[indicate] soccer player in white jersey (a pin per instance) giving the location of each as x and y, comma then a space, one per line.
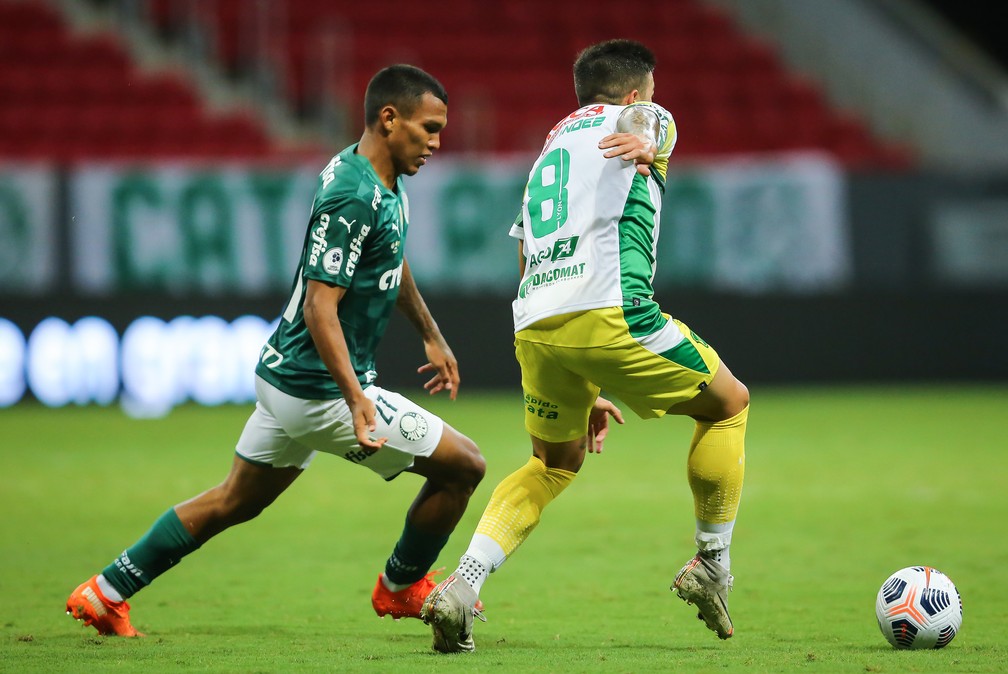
585, 321
315, 379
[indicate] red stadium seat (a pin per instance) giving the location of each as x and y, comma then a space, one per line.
507, 67
66, 97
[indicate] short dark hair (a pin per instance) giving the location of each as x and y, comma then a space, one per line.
400, 85
607, 71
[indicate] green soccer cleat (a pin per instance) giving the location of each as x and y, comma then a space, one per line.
450, 610
705, 584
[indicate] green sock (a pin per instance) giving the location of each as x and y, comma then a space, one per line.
161, 548
414, 554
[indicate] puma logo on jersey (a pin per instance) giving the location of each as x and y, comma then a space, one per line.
343, 221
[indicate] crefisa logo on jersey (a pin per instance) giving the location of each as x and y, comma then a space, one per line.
356, 247
318, 239
332, 260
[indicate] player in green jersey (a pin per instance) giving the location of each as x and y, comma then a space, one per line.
585, 320
315, 378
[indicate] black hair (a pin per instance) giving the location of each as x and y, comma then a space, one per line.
400, 85
607, 71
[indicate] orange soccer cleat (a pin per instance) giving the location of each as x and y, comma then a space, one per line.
110, 618
405, 603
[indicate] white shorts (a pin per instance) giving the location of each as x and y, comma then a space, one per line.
287, 431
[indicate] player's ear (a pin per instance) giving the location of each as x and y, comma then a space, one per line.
387, 117
632, 97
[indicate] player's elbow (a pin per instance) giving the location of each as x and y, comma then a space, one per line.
310, 310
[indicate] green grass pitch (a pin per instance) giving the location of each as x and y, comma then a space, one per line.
843, 487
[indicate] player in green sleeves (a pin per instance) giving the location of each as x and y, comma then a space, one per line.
586, 320
315, 378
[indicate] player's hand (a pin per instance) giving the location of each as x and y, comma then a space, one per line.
441, 361
630, 147
362, 411
598, 423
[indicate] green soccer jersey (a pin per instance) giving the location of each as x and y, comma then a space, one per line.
355, 239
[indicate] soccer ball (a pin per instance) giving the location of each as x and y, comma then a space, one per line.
918, 607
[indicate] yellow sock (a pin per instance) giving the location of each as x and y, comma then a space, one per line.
518, 501
715, 468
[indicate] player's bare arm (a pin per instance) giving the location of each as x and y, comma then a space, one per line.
440, 359
322, 318
636, 137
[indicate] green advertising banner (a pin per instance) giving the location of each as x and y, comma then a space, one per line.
460, 215
27, 229
745, 226
184, 229
749, 226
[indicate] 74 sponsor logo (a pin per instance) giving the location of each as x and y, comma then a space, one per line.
561, 248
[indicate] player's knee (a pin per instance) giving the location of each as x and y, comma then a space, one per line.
457, 464
567, 456
472, 465
741, 398
731, 402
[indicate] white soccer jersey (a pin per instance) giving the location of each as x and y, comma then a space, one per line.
590, 224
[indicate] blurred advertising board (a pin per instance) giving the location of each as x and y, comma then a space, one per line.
28, 217
217, 230
749, 226
151, 367
192, 232
186, 230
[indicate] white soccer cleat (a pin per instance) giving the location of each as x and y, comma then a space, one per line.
450, 610
705, 584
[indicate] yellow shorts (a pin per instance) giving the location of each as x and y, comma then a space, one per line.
567, 360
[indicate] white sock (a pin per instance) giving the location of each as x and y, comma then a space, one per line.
713, 541
393, 587
487, 551
472, 571
106, 588
720, 556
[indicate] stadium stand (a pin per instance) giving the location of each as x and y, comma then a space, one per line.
728, 91
506, 66
65, 97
